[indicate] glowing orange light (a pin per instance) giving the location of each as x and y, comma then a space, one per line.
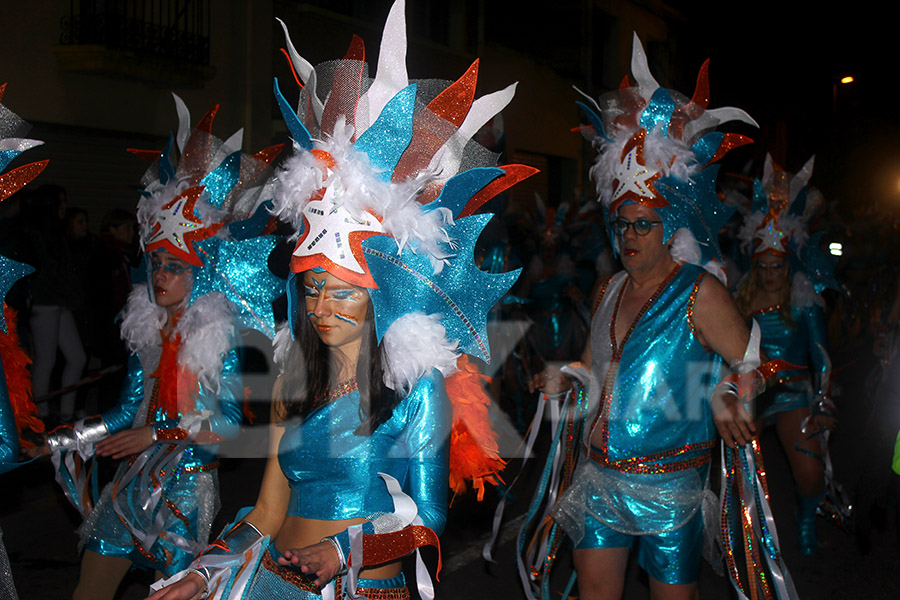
847, 79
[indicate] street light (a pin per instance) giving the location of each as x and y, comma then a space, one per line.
847, 79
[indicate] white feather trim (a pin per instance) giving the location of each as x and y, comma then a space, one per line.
359, 188
661, 153
684, 247
803, 293
718, 269
281, 345
141, 320
207, 330
413, 345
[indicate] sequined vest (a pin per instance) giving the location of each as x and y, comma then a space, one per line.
650, 394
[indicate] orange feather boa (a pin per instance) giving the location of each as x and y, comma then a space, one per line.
18, 379
474, 453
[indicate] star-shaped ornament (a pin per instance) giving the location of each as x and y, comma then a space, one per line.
771, 237
633, 179
177, 227
331, 240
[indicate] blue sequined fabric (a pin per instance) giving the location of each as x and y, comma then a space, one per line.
803, 343
333, 472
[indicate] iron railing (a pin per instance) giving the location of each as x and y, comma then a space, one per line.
171, 29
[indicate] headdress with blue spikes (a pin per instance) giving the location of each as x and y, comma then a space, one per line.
657, 148
383, 184
779, 223
12, 144
210, 209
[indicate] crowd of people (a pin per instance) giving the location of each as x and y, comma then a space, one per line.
380, 411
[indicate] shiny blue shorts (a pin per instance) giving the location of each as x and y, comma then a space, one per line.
670, 557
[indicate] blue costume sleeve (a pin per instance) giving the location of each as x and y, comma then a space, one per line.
9, 437
121, 416
427, 446
227, 407
818, 347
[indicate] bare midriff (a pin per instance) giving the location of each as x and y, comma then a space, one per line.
297, 532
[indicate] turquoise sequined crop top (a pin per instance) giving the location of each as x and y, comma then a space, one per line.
333, 472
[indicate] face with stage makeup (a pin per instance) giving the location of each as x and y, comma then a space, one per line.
171, 278
772, 271
335, 308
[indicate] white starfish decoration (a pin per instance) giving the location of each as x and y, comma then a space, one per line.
634, 177
173, 224
329, 229
770, 237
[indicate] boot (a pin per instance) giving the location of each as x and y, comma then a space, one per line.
805, 515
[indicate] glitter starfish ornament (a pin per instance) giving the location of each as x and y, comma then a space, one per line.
210, 209
378, 194
779, 223
657, 148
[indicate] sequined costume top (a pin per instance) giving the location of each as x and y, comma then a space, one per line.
804, 343
650, 395
9, 438
158, 509
333, 471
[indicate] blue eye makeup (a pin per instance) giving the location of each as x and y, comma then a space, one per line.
173, 268
342, 294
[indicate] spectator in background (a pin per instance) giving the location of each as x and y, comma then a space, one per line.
54, 292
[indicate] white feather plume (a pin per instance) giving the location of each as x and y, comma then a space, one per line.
207, 329
281, 345
661, 153
141, 320
359, 189
413, 345
684, 247
803, 293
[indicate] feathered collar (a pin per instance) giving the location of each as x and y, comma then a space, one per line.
206, 328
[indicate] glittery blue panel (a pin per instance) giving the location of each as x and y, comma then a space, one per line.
10, 272
816, 264
164, 164
594, 119
695, 205
9, 437
386, 140
298, 132
461, 293
658, 112
707, 146
221, 180
6, 156
760, 198
459, 189
239, 270
253, 225
333, 471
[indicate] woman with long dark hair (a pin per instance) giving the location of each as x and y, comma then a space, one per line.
384, 301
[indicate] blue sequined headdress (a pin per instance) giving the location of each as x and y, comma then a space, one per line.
210, 208
779, 223
12, 144
382, 188
657, 148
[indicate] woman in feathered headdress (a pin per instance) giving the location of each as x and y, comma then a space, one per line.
781, 293
183, 393
385, 301
17, 411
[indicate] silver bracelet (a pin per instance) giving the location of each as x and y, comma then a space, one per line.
337, 547
203, 572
